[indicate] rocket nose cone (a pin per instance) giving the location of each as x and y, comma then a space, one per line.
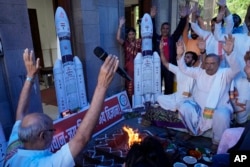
61, 22
60, 14
59, 9
146, 25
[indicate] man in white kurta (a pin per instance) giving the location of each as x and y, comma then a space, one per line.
212, 44
241, 96
185, 84
242, 41
211, 107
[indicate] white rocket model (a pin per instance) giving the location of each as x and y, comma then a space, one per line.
68, 71
147, 68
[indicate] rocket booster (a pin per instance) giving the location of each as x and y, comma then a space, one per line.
137, 97
68, 72
157, 75
59, 85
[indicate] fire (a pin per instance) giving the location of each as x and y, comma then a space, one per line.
133, 137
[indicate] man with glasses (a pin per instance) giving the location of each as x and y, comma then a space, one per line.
35, 131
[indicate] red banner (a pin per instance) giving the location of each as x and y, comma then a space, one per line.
110, 115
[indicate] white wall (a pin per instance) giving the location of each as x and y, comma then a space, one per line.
45, 17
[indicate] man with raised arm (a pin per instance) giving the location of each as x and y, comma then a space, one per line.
185, 84
35, 130
210, 108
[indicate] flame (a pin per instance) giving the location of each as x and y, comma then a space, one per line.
133, 136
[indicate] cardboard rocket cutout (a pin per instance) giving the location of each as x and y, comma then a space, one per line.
147, 68
68, 71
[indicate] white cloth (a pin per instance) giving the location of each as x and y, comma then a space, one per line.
243, 87
214, 94
39, 158
241, 45
229, 138
185, 85
192, 118
204, 81
190, 114
241, 102
212, 44
202, 88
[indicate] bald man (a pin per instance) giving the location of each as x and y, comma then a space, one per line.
35, 131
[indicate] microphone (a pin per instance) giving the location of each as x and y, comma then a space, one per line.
101, 54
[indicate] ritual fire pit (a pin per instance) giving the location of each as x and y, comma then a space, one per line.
111, 150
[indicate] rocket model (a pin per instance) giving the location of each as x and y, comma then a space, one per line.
147, 68
68, 71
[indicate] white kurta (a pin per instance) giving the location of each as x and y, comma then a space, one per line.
212, 45
241, 45
241, 102
184, 90
204, 83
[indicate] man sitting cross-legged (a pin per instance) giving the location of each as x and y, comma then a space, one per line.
210, 107
185, 83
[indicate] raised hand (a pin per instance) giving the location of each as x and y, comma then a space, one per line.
180, 48
221, 14
121, 21
107, 71
229, 44
194, 8
31, 65
32, 68
188, 8
185, 10
182, 11
198, 12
